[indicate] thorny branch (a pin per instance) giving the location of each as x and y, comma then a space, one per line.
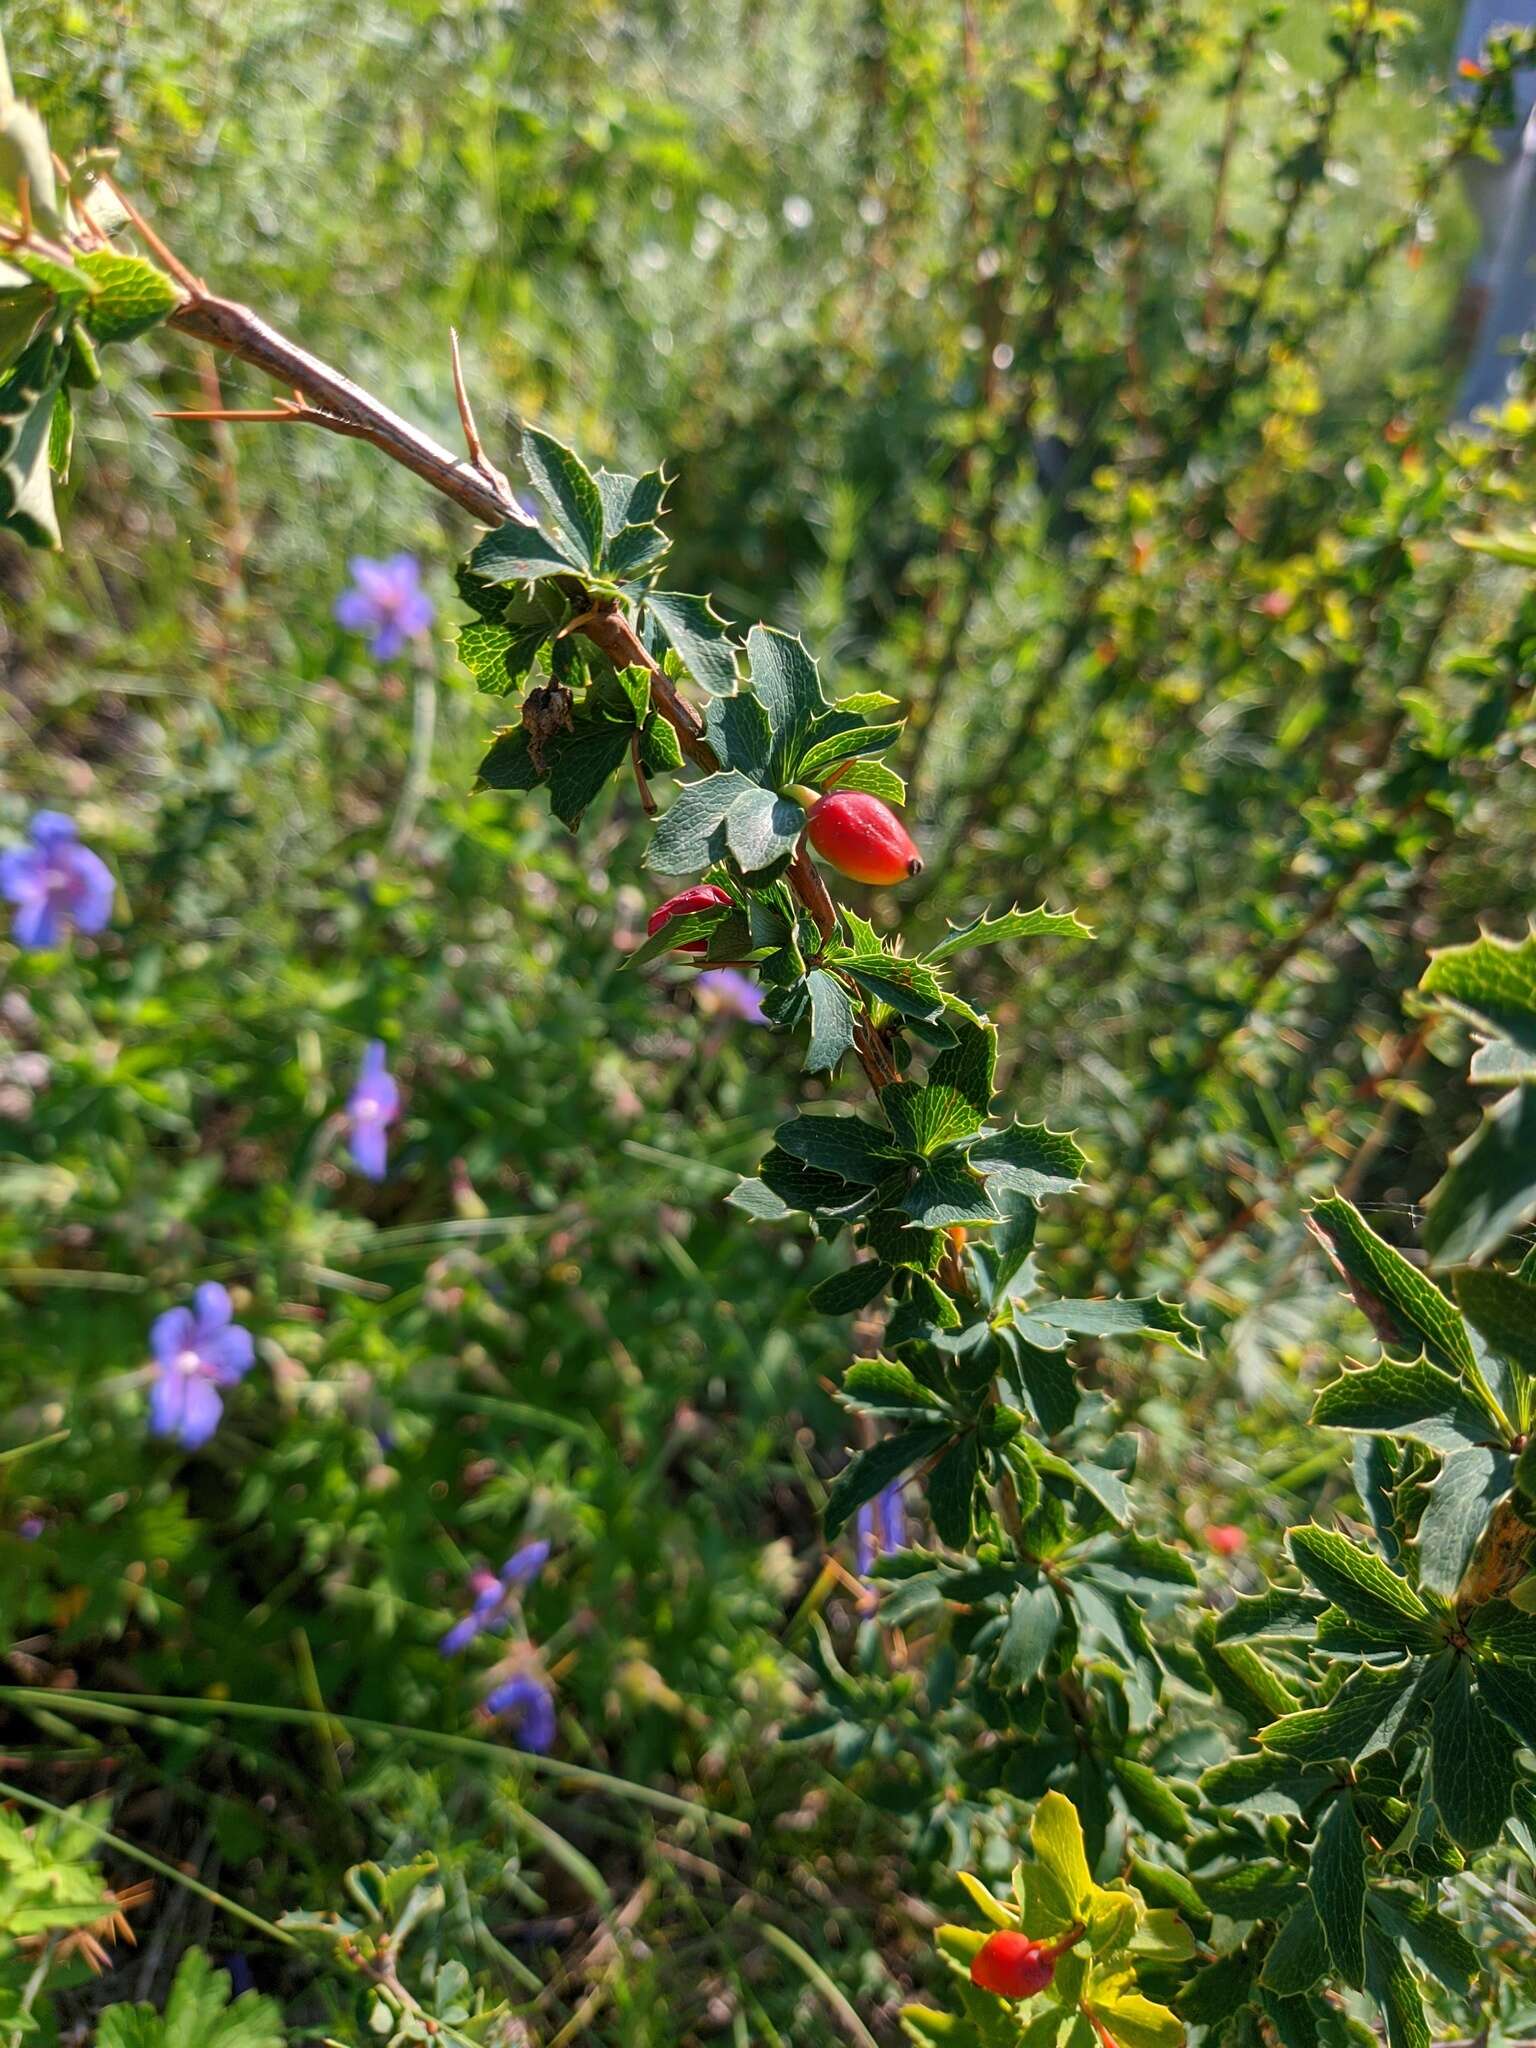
323, 397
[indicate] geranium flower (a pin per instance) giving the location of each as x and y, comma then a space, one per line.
53, 882
386, 601
730, 993
374, 1106
529, 1707
197, 1351
493, 1594
881, 1527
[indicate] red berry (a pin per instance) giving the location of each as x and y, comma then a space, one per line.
702, 896
862, 838
1012, 1965
1226, 1539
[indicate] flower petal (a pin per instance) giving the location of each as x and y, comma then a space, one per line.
51, 828
167, 1398
171, 1334
215, 1311
228, 1354
92, 888
370, 1150
35, 925
202, 1405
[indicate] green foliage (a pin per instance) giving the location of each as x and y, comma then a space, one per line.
198, 2014
1245, 674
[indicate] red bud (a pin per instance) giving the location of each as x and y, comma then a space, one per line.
702, 896
862, 838
1012, 1965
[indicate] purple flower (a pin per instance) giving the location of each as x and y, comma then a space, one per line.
53, 881
525, 1563
374, 1105
493, 1593
529, 1705
197, 1351
730, 994
386, 601
30, 1527
881, 1527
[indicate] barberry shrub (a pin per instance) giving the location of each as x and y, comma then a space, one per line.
1246, 1823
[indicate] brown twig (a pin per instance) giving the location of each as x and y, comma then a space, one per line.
472, 441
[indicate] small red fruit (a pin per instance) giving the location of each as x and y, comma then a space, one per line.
1226, 1539
702, 896
1014, 1966
862, 838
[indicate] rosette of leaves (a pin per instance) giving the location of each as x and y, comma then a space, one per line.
63, 291
1098, 1997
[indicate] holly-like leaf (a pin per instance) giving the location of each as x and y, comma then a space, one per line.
1491, 983
1365, 1715
128, 295
1056, 1836
1489, 1188
1501, 1308
1151, 1797
1013, 924
951, 1490
1434, 1942
1390, 1983
1373, 1596
925, 1120
831, 1022
1414, 1400
1470, 1485
1336, 1878
857, 1151
1406, 1310
784, 678
761, 828
1299, 1957
566, 485
1472, 1768
969, 1064
634, 549
690, 833
821, 756
945, 1193
1028, 1159
1122, 1316
682, 930
629, 500
1034, 1622
1511, 1695
1277, 1614
870, 1472
1131, 2019
515, 553
738, 731
697, 635
883, 1386
847, 1292
875, 779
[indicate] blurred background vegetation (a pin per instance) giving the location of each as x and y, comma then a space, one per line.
1081, 375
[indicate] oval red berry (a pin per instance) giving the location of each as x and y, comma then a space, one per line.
702, 896
1011, 1965
862, 838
